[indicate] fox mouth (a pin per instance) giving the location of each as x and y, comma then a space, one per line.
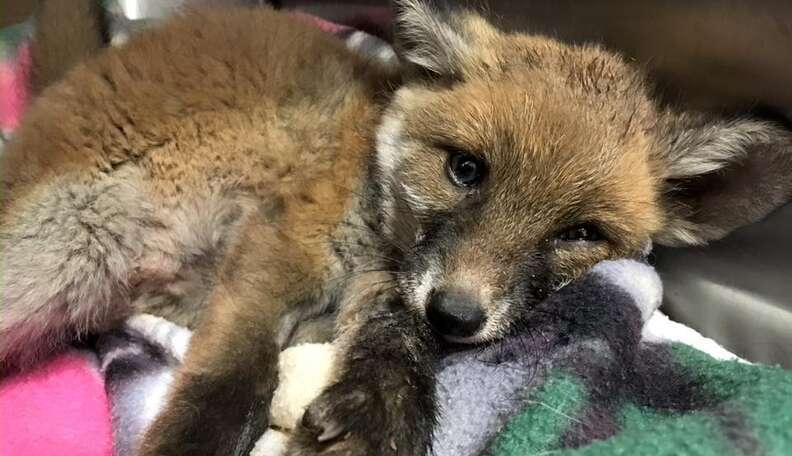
470, 340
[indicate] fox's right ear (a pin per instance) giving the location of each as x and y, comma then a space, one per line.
720, 174
67, 32
439, 40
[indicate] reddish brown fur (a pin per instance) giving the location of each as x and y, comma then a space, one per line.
204, 118
567, 134
571, 137
188, 120
190, 110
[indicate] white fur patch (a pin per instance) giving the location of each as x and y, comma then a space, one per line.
425, 286
413, 197
389, 139
389, 155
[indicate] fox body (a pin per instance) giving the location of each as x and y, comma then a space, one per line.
240, 172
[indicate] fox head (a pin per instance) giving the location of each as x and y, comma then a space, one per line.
512, 163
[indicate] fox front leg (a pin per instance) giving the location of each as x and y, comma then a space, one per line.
218, 404
382, 402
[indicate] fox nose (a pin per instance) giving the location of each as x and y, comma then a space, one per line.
454, 313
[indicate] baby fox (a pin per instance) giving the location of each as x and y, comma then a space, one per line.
244, 163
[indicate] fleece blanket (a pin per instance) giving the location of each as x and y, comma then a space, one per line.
593, 373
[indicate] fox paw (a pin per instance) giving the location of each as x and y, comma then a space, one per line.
345, 419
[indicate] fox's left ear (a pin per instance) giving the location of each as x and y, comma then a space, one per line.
720, 175
440, 39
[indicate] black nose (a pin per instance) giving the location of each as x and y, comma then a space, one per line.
453, 313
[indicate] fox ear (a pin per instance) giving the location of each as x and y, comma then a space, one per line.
67, 32
720, 175
439, 40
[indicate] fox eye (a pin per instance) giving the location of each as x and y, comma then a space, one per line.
584, 232
464, 169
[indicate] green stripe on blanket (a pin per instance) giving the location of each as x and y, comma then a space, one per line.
541, 425
751, 414
763, 394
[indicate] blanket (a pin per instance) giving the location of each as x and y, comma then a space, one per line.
591, 374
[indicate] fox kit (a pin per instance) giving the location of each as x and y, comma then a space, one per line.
242, 172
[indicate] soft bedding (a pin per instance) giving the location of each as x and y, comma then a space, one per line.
598, 371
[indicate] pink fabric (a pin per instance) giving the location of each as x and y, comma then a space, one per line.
14, 89
58, 409
321, 24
